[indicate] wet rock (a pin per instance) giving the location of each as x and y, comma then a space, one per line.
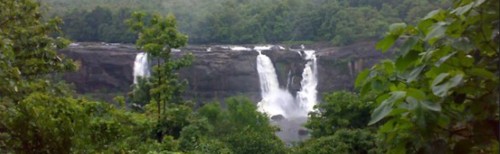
278, 117
303, 132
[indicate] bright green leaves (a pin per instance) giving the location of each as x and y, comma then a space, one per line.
395, 30
386, 106
442, 83
447, 69
387, 42
362, 78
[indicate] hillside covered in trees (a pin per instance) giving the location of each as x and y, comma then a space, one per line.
340, 22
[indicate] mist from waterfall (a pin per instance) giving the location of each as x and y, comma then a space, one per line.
277, 101
141, 66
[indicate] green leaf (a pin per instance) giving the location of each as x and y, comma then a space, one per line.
379, 113
439, 78
408, 45
438, 15
441, 90
397, 28
463, 9
416, 93
481, 72
415, 73
462, 44
403, 62
386, 106
437, 32
362, 77
411, 103
478, 2
424, 25
443, 59
386, 43
467, 61
431, 106
388, 66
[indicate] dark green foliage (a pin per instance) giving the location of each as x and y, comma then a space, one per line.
441, 93
343, 141
140, 95
239, 128
340, 126
35, 115
98, 25
339, 110
258, 21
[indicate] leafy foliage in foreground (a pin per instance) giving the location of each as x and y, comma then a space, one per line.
238, 129
441, 93
339, 126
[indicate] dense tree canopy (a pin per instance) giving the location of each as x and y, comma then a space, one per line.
259, 21
98, 25
340, 126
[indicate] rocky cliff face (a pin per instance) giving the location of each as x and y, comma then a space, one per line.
219, 73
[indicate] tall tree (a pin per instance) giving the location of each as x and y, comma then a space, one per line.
157, 37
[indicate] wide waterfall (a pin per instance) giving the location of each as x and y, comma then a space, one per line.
141, 66
277, 101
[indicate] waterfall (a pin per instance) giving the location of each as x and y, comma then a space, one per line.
274, 100
277, 101
307, 94
141, 66
267, 75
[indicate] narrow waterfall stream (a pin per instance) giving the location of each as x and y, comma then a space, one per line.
141, 66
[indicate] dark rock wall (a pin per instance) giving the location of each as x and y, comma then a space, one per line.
102, 68
215, 75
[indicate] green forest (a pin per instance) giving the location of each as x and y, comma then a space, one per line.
339, 22
439, 94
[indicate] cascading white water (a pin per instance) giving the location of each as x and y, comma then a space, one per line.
267, 75
277, 101
270, 90
141, 66
307, 94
